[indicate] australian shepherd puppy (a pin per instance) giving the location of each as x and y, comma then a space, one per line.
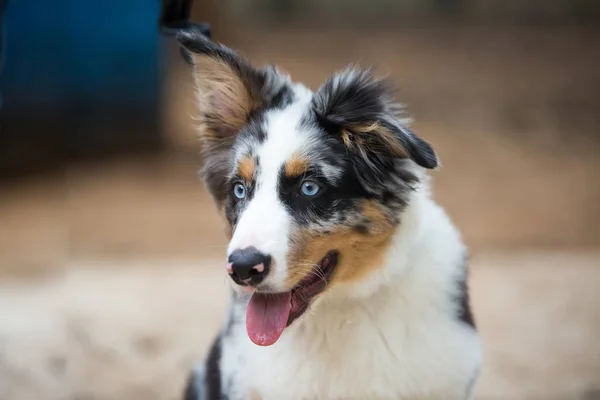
349, 281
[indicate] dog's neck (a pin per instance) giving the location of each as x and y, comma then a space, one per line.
408, 236
417, 276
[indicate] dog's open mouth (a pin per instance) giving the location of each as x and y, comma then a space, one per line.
268, 314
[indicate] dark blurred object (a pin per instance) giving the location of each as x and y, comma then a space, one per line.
81, 82
392, 14
2, 50
175, 15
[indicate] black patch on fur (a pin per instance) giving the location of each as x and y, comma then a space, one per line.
355, 98
381, 178
255, 130
231, 317
186, 55
213, 372
282, 97
191, 389
346, 102
373, 176
361, 228
464, 311
234, 206
334, 199
419, 150
369, 172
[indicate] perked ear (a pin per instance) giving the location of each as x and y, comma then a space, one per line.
229, 91
361, 108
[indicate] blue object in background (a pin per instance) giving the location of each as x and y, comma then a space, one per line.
80, 78
65, 50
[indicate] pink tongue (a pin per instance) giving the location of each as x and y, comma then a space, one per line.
266, 317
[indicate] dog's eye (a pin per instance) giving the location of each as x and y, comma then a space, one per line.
309, 188
239, 191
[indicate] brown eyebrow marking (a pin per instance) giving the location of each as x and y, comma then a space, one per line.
247, 169
297, 165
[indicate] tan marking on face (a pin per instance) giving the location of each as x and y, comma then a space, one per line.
247, 169
297, 165
359, 254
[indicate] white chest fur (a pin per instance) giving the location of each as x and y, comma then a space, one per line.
374, 355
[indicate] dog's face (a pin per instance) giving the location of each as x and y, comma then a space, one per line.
312, 185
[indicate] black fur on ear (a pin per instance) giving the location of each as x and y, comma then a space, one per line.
361, 109
230, 91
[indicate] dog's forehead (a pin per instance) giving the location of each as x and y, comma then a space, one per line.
286, 135
278, 135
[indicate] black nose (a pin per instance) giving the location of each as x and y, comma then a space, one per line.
248, 266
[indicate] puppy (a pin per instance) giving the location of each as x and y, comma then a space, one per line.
349, 281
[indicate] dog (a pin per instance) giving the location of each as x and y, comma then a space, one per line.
348, 280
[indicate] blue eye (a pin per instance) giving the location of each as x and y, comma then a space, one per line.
239, 191
309, 188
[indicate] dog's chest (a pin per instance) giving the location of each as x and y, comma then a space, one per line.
356, 358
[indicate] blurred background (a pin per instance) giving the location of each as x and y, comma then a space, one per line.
111, 251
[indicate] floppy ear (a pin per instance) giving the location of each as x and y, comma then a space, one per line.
229, 91
361, 109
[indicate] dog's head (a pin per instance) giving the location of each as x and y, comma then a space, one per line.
312, 185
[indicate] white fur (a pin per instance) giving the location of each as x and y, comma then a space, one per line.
395, 336
265, 223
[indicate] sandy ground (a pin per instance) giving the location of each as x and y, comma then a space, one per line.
131, 330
